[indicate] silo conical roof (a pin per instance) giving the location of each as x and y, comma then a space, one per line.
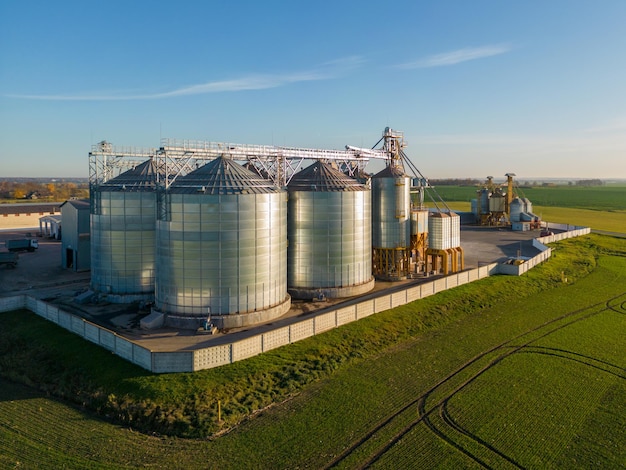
390, 171
322, 177
141, 177
222, 176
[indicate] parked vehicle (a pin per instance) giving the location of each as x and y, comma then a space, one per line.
22, 244
9, 258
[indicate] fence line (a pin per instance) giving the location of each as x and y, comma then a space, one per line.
214, 356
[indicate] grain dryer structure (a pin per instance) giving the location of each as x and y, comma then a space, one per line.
499, 205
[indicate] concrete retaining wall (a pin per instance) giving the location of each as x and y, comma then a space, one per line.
189, 361
135, 353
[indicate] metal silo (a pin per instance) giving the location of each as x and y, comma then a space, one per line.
444, 242
222, 248
439, 231
483, 196
517, 207
474, 208
528, 208
419, 240
329, 233
123, 222
391, 223
497, 203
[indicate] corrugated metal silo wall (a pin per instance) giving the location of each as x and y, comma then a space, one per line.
439, 231
226, 253
516, 208
123, 242
391, 204
329, 239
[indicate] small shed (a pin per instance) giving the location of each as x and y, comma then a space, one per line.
50, 226
76, 239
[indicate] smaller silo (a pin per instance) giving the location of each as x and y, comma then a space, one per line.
497, 203
483, 197
329, 233
123, 225
419, 240
419, 222
529, 210
439, 231
444, 252
517, 207
391, 223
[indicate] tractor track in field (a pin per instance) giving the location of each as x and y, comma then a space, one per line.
588, 361
425, 410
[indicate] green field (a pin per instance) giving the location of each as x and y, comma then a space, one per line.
504, 372
599, 198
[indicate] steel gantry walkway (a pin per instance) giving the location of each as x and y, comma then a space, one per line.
179, 157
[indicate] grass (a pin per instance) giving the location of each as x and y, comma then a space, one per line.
601, 207
339, 386
599, 198
606, 221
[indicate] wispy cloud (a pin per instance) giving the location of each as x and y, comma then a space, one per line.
326, 71
456, 57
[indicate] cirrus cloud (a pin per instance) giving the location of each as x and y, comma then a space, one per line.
326, 71
456, 57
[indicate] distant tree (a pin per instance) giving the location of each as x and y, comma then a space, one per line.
18, 194
590, 182
56, 190
454, 182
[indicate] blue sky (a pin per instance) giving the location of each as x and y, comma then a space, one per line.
478, 87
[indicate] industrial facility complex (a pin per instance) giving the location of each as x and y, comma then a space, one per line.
228, 234
209, 237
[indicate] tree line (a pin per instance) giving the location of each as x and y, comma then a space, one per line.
590, 182
455, 182
29, 190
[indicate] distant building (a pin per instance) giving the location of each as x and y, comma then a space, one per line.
76, 240
26, 215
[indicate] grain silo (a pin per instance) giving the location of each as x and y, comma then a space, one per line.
444, 252
516, 207
123, 218
419, 240
391, 223
222, 248
329, 233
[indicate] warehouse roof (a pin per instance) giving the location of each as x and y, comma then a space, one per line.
79, 204
30, 208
